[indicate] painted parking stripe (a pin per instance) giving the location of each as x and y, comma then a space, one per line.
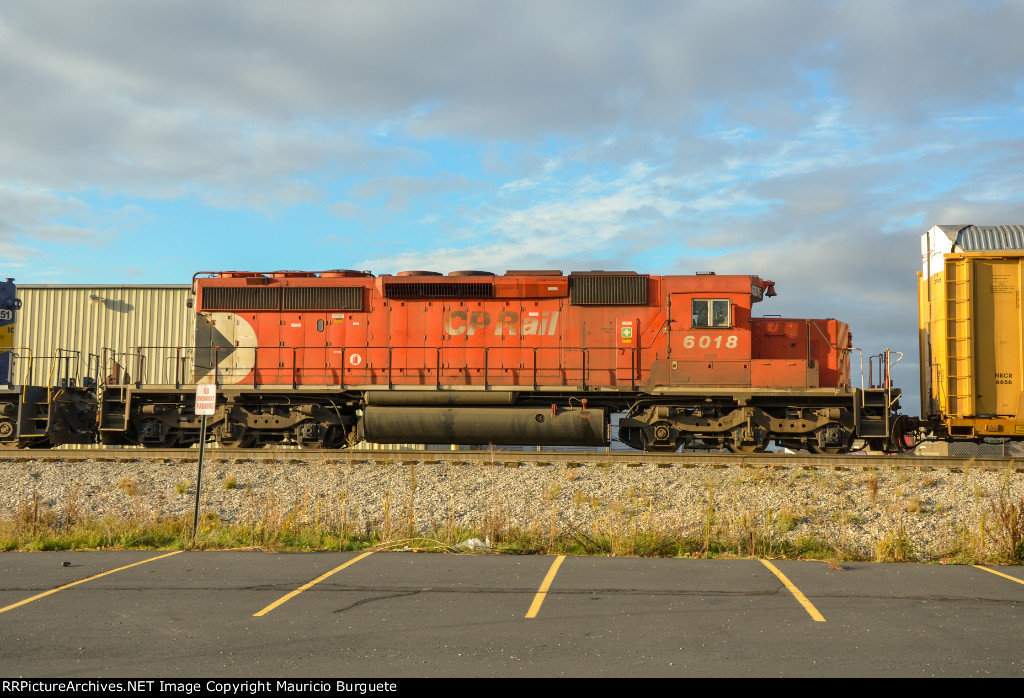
808, 606
1019, 581
309, 585
544, 586
82, 581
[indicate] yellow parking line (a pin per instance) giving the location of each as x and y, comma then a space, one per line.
808, 606
316, 581
1019, 581
544, 586
80, 581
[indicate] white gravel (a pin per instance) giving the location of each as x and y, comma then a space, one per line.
937, 513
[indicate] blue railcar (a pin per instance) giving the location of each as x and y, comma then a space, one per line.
9, 305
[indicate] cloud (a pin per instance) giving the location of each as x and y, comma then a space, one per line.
578, 221
28, 215
398, 192
807, 141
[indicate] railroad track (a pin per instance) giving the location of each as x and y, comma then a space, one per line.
506, 458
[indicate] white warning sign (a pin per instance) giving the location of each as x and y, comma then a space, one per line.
206, 399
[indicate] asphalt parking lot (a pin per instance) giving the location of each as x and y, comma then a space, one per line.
393, 614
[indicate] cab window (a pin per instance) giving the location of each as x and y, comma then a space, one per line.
710, 313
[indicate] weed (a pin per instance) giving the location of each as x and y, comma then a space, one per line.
34, 514
130, 487
1008, 525
788, 520
411, 510
896, 546
230, 482
182, 487
709, 522
872, 483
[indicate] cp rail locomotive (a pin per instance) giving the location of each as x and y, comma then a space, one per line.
532, 357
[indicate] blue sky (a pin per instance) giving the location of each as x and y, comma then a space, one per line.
808, 142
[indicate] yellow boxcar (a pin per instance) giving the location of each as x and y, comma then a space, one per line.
971, 322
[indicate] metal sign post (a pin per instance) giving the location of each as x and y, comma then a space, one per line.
206, 404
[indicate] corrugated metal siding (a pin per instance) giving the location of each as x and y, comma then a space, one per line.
118, 317
976, 238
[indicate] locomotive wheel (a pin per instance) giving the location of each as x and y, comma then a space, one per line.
151, 433
658, 443
167, 441
742, 441
244, 441
235, 435
661, 448
310, 435
829, 451
746, 448
654, 447
837, 446
335, 436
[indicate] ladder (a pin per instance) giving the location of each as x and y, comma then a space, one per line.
959, 379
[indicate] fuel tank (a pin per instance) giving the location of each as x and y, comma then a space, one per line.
508, 426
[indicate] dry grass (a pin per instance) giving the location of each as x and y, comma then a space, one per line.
576, 511
1007, 530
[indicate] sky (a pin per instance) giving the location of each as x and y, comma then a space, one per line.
807, 142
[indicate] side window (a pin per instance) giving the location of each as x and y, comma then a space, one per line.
710, 313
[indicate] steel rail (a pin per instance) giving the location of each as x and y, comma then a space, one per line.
510, 458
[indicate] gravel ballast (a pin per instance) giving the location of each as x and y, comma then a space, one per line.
937, 512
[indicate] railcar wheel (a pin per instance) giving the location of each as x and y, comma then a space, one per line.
7, 431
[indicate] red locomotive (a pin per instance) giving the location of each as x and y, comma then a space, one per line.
532, 357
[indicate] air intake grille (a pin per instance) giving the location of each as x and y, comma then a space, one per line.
293, 298
330, 298
608, 289
246, 298
413, 291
